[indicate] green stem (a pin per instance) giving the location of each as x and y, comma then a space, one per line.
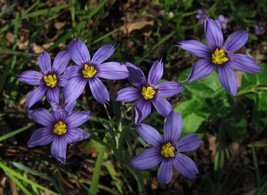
259, 89
11, 134
96, 174
257, 145
245, 91
255, 163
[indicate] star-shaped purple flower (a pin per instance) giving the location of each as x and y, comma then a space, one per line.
167, 150
49, 80
222, 22
61, 127
260, 28
147, 92
201, 15
89, 70
220, 55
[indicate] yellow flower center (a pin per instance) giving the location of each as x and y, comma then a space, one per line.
50, 80
88, 71
148, 92
167, 150
60, 128
218, 57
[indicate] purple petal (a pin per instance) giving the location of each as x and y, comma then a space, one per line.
165, 172
155, 72
75, 135
62, 81
42, 117
103, 53
162, 106
228, 78
59, 115
44, 62
213, 33
35, 95
188, 143
142, 110
73, 89
79, 52
185, 166
78, 118
31, 77
128, 94
99, 90
56, 107
72, 71
244, 63
235, 41
136, 75
61, 61
41, 137
59, 149
69, 107
173, 127
169, 88
146, 159
53, 95
202, 68
149, 134
112, 71
196, 48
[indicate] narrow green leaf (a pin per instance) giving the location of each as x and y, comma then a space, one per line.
96, 174
15, 132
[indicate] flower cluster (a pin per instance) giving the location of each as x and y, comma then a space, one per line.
64, 84
61, 126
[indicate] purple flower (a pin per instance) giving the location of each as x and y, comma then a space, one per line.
167, 150
147, 92
260, 28
222, 22
60, 127
48, 80
201, 15
89, 70
220, 54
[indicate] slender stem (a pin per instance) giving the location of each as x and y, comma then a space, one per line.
260, 88
15, 132
96, 174
255, 163
242, 92
257, 145
106, 109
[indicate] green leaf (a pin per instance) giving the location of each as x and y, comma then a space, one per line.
207, 87
259, 114
252, 80
187, 107
235, 124
191, 123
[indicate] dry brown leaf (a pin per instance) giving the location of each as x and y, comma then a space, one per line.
59, 25
22, 43
37, 49
239, 76
212, 144
10, 37
235, 149
136, 25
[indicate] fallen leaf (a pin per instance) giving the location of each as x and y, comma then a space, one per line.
136, 25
